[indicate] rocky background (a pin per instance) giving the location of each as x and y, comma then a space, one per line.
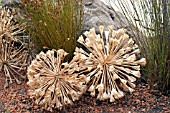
96, 13
8, 1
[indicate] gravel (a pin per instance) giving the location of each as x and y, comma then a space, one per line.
142, 100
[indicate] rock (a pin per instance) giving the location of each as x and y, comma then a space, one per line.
23, 101
40, 112
2, 105
165, 109
22, 91
3, 111
150, 101
104, 111
120, 109
98, 102
97, 13
27, 107
9, 1
155, 92
14, 90
88, 102
31, 111
14, 102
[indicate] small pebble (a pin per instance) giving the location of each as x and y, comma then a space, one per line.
98, 102
166, 109
3, 111
14, 90
158, 107
23, 101
104, 111
150, 102
14, 102
88, 102
1, 105
27, 107
120, 109
40, 112
31, 111
22, 91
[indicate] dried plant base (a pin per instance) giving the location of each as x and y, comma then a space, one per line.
111, 62
52, 83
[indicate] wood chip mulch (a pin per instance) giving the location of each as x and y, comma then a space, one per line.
15, 100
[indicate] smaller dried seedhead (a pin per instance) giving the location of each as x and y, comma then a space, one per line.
52, 83
13, 47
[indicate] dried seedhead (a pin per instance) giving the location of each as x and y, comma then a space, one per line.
10, 28
13, 46
111, 62
13, 61
52, 83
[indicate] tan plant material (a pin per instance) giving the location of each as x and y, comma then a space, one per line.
13, 61
111, 62
10, 27
52, 83
13, 47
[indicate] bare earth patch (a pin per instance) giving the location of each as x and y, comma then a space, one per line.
15, 100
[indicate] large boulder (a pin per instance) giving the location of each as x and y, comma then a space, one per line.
9, 1
97, 13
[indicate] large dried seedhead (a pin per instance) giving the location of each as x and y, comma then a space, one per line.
13, 61
52, 83
111, 62
9, 27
